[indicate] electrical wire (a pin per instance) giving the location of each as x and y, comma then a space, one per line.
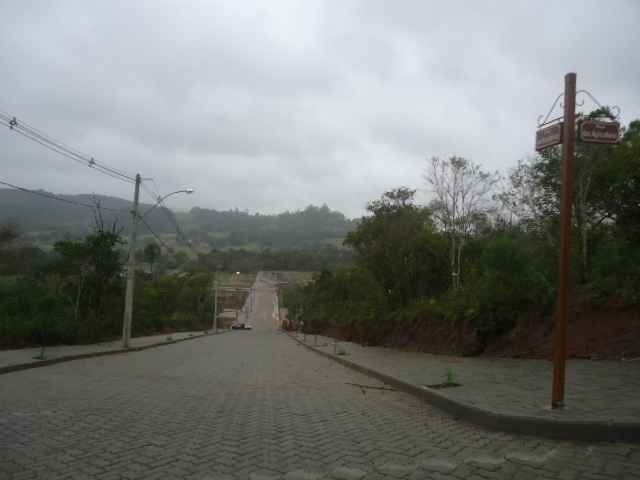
154, 234
60, 199
61, 148
154, 196
65, 153
82, 157
155, 187
34, 134
170, 215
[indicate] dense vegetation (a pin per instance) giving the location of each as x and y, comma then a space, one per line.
76, 292
324, 257
483, 252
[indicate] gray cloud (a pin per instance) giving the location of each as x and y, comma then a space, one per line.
276, 105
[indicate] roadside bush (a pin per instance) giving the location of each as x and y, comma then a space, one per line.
349, 300
510, 282
172, 302
616, 268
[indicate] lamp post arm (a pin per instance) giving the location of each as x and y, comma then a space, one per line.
162, 199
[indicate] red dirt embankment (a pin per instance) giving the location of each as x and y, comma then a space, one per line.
596, 333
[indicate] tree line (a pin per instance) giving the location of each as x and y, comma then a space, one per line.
75, 292
47, 221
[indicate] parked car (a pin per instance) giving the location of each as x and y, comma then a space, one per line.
240, 326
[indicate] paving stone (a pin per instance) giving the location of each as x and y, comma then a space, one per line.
347, 473
395, 470
263, 476
528, 457
486, 462
302, 475
438, 465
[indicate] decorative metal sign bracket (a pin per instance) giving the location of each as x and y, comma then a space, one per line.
546, 120
613, 111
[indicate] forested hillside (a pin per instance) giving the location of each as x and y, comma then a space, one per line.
55, 219
48, 220
310, 226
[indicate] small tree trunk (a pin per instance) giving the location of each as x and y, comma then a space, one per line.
458, 263
453, 261
585, 253
77, 306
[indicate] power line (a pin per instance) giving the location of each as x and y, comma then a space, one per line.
84, 158
61, 151
155, 196
154, 233
155, 187
51, 196
171, 216
60, 148
151, 190
36, 135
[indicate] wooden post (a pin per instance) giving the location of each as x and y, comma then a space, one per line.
564, 263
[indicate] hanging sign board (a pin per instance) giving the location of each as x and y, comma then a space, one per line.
596, 131
549, 136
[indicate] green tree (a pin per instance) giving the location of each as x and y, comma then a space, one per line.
618, 184
151, 255
8, 233
398, 245
535, 188
92, 269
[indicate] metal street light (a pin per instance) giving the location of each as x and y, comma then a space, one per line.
131, 265
160, 199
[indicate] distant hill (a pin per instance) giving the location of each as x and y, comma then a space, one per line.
32, 213
311, 226
50, 220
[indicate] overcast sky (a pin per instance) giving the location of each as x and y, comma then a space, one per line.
275, 105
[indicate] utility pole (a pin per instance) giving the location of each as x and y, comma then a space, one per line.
564, 263
215, 307
131, 268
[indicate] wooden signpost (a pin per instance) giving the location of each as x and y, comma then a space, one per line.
564, 132
564, 262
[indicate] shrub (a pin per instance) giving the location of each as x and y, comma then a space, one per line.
616, 270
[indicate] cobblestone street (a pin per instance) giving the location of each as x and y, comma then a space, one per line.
254, 404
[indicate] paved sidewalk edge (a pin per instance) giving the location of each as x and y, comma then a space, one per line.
68, 358
520, 424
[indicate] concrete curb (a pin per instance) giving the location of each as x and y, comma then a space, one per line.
104, 353
521, 424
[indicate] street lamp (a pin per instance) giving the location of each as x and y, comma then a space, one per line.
131, 263
161, 199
